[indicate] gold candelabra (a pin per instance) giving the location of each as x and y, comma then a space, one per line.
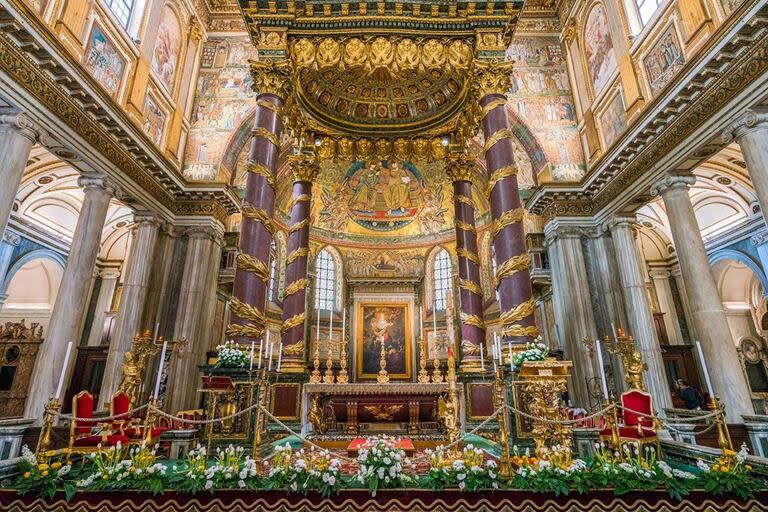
343, 376
314, 377
150, 420
383, 376
328, 376
260, 423
46, 432
423, 374
612, 424
631, 359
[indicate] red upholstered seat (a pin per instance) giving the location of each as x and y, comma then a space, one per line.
94, 440
641, 402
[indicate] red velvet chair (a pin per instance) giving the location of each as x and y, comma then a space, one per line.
125, 424
634, 427
82, 438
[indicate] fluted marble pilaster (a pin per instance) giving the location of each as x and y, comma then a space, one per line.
69, 308
660, 278
639, 315
132, 299
705, 304
572, 306
17, 136
109, 277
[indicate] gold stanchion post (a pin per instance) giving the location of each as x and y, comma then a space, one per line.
46, 432
723, 435
500, 401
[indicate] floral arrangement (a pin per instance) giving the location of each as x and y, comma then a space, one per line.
729, 473
231, 469
125, 468
229, 355
555, 471
536, 350
381, 464
468, 469
43, 478
304, 471
191, 476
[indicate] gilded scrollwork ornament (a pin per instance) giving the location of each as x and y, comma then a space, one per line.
492, 77
304, 167
271, 77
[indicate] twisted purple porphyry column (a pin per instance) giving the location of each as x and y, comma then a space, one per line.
513, 261
304, 169
256, 230
461, 170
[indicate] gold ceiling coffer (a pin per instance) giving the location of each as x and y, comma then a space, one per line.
362, 92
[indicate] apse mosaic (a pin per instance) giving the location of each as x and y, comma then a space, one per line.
541, 98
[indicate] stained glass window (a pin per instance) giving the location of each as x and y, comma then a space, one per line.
273, 273
442, 279
325, 281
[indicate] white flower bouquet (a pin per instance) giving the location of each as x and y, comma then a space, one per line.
381, 464
229, 355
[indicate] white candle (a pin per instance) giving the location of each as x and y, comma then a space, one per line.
63, 370
421, 323
160, 369
279, 356
705, 370
330, 326
157, 331
343, 322
318, 323
250, 357
496, 345
434, 317
603, 381
613, 330
261, 346
270, 349
482, 359
509, 349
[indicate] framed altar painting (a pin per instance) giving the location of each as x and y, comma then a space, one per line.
390, 324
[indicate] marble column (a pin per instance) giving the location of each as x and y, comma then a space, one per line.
247, 321
71, 300
195, 315
132, 299
660, 278
513, 280
8, 243
109, 278
17, 136
572, 307
706, 307
683, 296
750, 130
639, 314
304, 168
461, 169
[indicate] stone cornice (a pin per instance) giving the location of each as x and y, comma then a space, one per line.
732, 60
754, 119
38, 64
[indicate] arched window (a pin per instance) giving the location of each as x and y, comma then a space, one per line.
646, 9
272, 295
442, 279
325, 281
122, 10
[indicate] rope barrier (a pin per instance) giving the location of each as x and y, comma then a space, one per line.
560, 422
203, 422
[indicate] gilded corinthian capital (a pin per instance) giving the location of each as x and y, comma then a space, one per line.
304, 167
492, 77
271, 77
461, 167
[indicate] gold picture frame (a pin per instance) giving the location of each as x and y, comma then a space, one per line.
394, 319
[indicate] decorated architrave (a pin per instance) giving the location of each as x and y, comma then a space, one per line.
304, 168
461, 169
247, 321
512, 278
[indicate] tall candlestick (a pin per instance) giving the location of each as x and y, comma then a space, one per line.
434, 317
603, 380
613, 330
705, 370
330, 327
160, 369
250, 356
318, 322
157, 331
261, 346
279, 356
63, 370
421, 323
482, 358
343, 322
270, 349
511, 363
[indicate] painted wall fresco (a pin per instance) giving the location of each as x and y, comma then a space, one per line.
664, 60
541, 98
222, 101
165, 56
103, 61
154, 120
598, 48
612, 120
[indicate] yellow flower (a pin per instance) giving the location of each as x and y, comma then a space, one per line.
42, 467
44, 473
723, 469
56, 465
103, 477
27, 474
715, 468
729, 453
747, 467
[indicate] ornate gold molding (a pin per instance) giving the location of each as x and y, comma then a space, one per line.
262, 132
507, 218
259, 215
473, 320
464, 199
246, 311
298, 226
296, 254
515, 330
461, 167
253, 265
461, 252
292, 322
498, 175
295, 287
262, 170
304, 167
492, 78
513, 265
490, 106
518, 312
298, 199
471, 286
465, 226
498, 136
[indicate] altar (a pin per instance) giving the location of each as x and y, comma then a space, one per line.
340, 410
